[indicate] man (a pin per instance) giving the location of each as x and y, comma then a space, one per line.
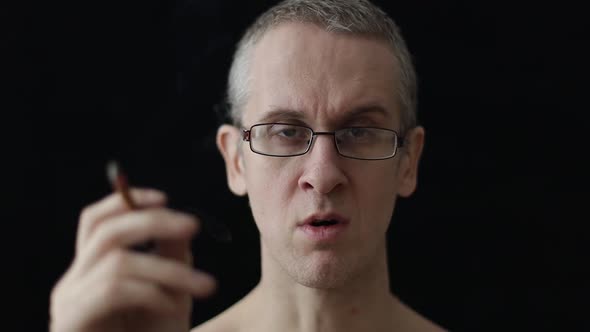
324, 140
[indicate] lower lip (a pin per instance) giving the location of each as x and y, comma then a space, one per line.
323, 233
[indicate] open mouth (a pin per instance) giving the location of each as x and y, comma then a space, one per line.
323, 223
325, 227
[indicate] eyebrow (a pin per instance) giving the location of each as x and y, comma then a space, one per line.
372, 109
291, 114
279, 114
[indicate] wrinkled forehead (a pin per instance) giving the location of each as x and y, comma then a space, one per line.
303, 67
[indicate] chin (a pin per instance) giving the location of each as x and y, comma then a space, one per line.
321, 282
324, 268
325, 274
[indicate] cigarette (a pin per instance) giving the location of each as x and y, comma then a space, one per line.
118, 181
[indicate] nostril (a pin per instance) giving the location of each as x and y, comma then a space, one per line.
322, 178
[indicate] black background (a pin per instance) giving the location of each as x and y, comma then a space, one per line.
492, 240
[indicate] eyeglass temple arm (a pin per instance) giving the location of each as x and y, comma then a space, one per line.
245, 135
400, 142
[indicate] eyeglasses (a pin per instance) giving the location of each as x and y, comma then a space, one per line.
288, 140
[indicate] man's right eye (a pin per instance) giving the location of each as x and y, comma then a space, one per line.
287, 132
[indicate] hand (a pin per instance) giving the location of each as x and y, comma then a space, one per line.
111, 288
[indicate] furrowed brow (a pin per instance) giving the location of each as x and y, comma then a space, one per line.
363, 111
290, 115
278, 115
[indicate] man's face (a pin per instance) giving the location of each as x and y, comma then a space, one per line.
304, 75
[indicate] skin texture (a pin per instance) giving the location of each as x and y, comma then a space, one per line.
302, 74
110, 288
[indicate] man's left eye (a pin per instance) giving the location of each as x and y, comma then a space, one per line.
358, 132
288, 132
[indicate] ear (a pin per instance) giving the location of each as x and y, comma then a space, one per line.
228, 138
410, 158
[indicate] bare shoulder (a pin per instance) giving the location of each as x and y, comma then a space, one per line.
229, 320
213, 325
223, 322
410, 320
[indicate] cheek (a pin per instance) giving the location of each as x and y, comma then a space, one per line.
268, 179
378, 182
376, 194
270, 188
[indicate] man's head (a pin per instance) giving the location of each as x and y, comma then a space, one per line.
358, 17
299, 72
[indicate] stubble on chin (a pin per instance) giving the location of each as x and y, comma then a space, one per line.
320, 272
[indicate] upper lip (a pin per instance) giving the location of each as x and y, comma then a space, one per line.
324, 216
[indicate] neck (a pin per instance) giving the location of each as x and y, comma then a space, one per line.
363, 303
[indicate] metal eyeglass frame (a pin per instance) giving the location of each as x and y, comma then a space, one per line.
246, 137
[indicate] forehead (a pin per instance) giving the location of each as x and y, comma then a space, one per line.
301, 67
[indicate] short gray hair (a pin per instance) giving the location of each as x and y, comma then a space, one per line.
359, 17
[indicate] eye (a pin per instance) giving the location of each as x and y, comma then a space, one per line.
288, 132
357, 133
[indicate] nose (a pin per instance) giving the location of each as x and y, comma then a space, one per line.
323, 171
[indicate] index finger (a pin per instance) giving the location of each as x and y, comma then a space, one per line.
113, 205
